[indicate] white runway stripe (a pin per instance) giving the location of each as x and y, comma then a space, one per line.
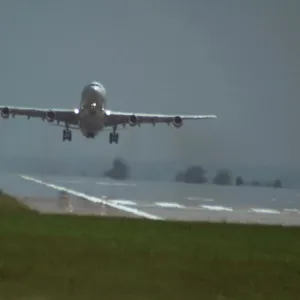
123, 202
169, 204
218, 208
200, 199
132, 210
264, 211
294, 210
208, 200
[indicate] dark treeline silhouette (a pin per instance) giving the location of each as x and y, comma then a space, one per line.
196, 174
239, 181
275, 183
119, 171
223, 177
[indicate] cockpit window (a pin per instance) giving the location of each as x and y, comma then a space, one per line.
95, 84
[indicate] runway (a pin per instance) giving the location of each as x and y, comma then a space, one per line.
159, 201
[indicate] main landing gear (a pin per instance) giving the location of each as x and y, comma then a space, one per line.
114, 136
67, 134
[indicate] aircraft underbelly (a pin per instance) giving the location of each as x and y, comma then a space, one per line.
91, 123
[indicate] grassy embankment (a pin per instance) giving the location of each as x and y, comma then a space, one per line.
69, 257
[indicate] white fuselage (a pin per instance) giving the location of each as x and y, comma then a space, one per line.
91, 111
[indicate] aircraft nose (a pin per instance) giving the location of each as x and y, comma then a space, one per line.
94, 88
97, 88
91, 94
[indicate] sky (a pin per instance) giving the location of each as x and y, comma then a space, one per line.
236, 59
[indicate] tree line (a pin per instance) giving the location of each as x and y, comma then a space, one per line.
196, 174
193, 174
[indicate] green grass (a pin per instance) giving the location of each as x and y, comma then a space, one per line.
9, 204
70, 257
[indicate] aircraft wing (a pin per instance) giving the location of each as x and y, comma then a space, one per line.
113, 118
70, 116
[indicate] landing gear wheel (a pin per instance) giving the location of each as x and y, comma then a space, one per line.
116, 138
113, 138
67, 135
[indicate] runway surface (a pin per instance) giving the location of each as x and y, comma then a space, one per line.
165, 201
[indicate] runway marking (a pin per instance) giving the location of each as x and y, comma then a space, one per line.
218, 208
208, 200
292, 210
200, 199
169, 204
70, 208
265, 211
114, 183
134, 211
123, 202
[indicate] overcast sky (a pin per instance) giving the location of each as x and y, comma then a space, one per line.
237, 59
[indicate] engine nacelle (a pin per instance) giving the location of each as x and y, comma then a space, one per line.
5, 112
177, 121
50, 116
133, 120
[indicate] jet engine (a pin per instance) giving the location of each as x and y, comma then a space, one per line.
177, 121
5, 112
50, 116
133, 120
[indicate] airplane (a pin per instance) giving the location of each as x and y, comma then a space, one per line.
92, 116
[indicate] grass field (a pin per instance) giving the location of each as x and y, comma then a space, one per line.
70, 257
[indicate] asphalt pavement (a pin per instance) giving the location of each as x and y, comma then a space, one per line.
153, 200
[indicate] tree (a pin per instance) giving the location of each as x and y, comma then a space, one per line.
277, 183
223, 177
193, 174
119, 170
239, 181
